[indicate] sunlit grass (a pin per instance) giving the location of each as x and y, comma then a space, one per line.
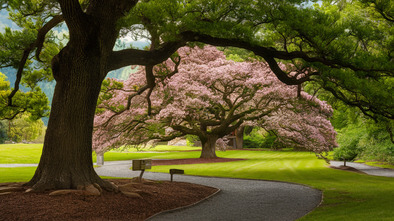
31, 153
20, 153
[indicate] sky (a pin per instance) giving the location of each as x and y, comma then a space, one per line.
5, 22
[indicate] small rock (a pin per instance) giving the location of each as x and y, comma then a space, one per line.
98, 187
91, 190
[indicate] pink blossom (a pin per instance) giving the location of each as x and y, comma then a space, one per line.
207, 95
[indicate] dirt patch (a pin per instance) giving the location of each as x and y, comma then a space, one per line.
192, 161
158, 196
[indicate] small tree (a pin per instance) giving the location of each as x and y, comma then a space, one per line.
34, 101
204, 95
24, 128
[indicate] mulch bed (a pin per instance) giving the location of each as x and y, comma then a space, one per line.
158, 196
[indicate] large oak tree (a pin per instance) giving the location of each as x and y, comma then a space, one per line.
348, 49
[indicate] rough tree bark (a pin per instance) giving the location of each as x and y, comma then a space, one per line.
208, 147
239, 137
79, 69
66, 160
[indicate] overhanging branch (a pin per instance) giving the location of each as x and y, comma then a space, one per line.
122, 58
37, 44
270, 54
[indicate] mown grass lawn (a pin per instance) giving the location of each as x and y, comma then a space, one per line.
20, 153
347, 195
31, 153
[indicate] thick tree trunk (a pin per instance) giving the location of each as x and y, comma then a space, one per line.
208, 147
66, 160
239, 137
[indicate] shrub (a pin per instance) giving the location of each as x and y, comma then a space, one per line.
191, 139
255, 139
345, 153
368, 141
259, 138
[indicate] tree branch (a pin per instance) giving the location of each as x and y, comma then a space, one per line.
37, 44
127, 57
43, 31
270, 54
73, 15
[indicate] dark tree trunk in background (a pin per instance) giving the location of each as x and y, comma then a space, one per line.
208, 147
239, 137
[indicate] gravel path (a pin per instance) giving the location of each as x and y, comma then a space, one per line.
376, 171
238, 199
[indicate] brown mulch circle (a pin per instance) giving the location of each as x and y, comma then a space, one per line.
156, 162
158, 196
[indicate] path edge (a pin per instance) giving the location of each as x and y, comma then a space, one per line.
184, 207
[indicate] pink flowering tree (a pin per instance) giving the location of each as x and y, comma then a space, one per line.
308, 129
203, 94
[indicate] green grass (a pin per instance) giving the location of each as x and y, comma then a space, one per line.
347, 195
18, 174
20, 153
31, 153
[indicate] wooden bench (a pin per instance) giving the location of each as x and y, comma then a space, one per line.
176, 171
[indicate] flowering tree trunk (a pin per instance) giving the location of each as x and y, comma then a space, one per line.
239, 137
208, 147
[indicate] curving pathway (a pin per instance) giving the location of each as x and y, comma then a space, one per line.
238, 199
371, 170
